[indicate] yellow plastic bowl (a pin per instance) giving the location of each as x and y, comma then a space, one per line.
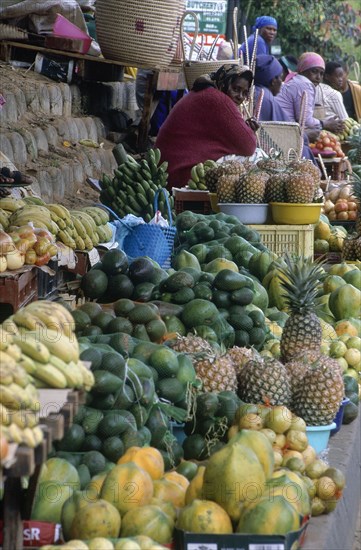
295, 213
214, 202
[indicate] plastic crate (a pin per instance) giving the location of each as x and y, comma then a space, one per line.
17, 291
195, 201
294, 239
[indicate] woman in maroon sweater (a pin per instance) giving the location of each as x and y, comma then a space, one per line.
207, 124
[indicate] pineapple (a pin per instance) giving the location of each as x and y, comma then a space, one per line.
356, 185
251, 187
226, 188
192, 344
271, 164
302, 330
264, 381
216, 372
276, 187
240, 356
231, 168
349, 248
318, 398
300, 188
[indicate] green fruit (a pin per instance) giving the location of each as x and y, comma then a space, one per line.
82, 320
119, 324
90, 308
94, 283
199, 312
123, 306
120, 286
230, 280
164, 361
114, 261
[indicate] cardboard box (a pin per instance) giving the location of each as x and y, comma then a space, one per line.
184, 540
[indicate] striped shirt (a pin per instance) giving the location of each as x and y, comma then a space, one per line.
332, 101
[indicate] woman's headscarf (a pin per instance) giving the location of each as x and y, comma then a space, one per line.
264, 21
225, 74
267, 68
309, 60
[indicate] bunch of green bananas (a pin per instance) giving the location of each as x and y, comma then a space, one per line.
134, 185
198, 175
349, 127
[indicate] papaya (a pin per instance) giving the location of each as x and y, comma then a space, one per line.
353, 277
147, 458
260, 262
233, 475
345, 302
169, 490
260, 444
150, 521
60, 471
127, 486
331, 282
49, 499
340, 269
77, 500
204, 516
291, 486
96, 519
195, 487
268, 517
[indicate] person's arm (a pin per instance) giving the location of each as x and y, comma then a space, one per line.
306, 85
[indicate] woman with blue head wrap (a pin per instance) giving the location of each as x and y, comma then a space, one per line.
267, 30
268, 77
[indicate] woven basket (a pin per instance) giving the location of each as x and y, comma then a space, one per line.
280, 136
193, 69
139, 32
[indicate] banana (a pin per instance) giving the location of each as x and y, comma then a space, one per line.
38, 434
88, 243
94, 214
24, 318
11, 204
58, 221
29, 438
6, 360
192, 185
20, 376
33, 200
78, 226
86, 220
60, 317
48, 319
63, 312
94, 238
102, 234
50, 375
104, 214
89, 143
27, 363
60, 211
88, 377
32, 347
15, 434
19, 418
200, 171
58, 344
6, 375
80, 245
68, 370
10, 326
157, 155
9, 398
65, 238
4, 218
4, 416
6, 338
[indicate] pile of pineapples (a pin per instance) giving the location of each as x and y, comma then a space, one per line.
270, 180
351, 249
305, 380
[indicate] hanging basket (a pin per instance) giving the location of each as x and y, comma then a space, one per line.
193, 69
139, 32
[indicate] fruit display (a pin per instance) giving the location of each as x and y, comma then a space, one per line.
351, 127
198, 175
354, 153
342, 201
351, 249
79, 229
133, 188
19, 398
49, 351
328, 238
327, 145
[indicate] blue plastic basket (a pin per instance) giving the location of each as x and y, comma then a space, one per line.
150, 240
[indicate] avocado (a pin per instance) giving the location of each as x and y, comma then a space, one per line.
114, 261
94, 283
141, 270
